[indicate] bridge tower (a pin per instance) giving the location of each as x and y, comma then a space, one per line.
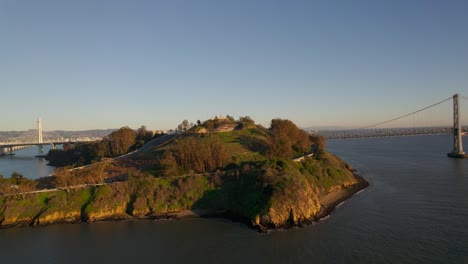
457, 131
39, 135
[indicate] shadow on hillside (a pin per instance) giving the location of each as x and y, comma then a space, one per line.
253, 143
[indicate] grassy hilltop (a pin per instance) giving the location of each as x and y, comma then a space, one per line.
222, 166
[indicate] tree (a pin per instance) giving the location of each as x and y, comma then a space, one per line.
319, 143
280, 146
318, 140
18, 177
245, 122
287, 138
209, 125
62, 178
200, 155
168, 164
141, 133
218, 153
143, 136
185, 125
302, 143
121, 141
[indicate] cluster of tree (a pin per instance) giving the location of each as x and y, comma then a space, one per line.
184, 126
143, 136
245, 122
287, 140
318, 145
16, 184
193, 154
115, 144
65, 178
212, 124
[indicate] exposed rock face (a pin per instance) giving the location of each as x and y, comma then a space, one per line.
48, 218
202, 131
63, 207
107, 213
140, 207
291, 207
225, 128
15, 220
19, 212
108, 203
341, 186
277, 195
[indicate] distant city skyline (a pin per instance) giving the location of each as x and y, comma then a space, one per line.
106, 64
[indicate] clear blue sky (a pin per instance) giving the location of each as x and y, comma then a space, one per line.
105, 64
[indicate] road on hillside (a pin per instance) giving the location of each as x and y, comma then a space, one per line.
149, 145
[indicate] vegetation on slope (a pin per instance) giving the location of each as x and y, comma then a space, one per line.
247, 173
115, 144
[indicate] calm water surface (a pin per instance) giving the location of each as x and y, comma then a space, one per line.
25, 163
415, 211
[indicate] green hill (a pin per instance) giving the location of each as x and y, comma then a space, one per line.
231, 168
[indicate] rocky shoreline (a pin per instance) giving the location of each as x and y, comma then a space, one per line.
72, 208
328, 203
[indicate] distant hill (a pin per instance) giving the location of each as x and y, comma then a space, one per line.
31, 135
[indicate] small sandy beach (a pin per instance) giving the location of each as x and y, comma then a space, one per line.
331, 200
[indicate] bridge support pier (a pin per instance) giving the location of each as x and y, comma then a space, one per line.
7, 151
457, 131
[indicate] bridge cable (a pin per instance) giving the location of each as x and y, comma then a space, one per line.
412, 113
57, 134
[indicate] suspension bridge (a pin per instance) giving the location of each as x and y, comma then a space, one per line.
389, 129
9, 148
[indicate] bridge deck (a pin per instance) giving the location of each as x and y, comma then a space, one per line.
38, 144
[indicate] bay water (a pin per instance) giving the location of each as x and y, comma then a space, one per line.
414, 211
25, 163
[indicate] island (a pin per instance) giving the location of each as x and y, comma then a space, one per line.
269, 178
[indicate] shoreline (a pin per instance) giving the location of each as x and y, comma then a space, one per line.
331, 200
328, 203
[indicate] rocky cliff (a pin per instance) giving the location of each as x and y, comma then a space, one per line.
267, 195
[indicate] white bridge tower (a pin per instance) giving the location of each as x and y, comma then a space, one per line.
457, 131
39, 135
